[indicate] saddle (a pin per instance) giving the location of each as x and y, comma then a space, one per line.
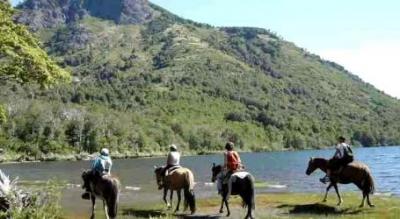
171, 169
91, 177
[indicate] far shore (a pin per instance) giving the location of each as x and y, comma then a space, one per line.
9, 158
22, 158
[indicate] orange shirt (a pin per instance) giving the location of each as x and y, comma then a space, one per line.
232, 160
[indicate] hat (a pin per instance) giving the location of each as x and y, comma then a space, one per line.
104, 152
173, 147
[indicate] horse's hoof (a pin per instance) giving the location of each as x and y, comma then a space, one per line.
339, 204
371, 205
324, 200
229, 214
221, 211
361, 206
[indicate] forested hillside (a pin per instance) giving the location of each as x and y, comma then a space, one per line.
145, 78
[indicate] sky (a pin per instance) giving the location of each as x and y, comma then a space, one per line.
361, 35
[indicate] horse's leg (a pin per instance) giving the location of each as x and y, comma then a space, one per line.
227, 208
326, 192
105, 209
171, 194
221, 209
249, 209
165, 191
93, 198
179, 200
338, 194
363, 200
369, 202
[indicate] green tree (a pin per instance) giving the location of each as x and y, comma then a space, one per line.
21, 58
3, 115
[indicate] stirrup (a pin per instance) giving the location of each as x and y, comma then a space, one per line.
86, 196
324, 180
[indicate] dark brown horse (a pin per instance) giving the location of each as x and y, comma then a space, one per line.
105, 188
242, 184
355, 172
176, 180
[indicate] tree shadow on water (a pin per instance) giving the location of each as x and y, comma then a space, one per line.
320, 209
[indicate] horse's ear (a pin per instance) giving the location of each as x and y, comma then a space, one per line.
311, 158
213, 164
155, 167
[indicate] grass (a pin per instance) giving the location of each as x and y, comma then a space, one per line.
276, 205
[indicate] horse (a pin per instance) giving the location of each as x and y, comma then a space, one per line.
106, 188
242, 184
176, 180
355, 172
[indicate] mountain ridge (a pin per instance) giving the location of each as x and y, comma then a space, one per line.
142, 86
46, 14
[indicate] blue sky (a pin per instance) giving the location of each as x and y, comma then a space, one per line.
364, 36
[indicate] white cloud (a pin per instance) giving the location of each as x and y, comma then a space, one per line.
376, 62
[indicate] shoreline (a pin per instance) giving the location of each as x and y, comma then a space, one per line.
52, 157
15, 158
268, 205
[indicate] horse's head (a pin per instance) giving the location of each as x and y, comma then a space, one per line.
159, 177
216, 169
311, 166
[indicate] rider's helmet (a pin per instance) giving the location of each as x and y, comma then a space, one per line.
104, 152
173, 147
229, 146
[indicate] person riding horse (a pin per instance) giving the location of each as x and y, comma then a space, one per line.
100, 166
232, 163
173, 160
342, 157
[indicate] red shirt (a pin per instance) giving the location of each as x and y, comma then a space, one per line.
232, 160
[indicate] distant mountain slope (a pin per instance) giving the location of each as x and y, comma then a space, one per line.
159, 79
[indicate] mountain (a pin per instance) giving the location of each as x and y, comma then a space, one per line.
46, 14
146, 78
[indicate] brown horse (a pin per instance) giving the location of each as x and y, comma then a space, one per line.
176, 180
355, 172
106, 188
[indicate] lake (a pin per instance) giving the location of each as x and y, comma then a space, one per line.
281, 171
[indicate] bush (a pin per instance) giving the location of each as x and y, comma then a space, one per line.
44, 203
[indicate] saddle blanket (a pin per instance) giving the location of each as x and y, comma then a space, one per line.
241, 174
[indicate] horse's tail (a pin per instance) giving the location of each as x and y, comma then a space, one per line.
190, 199
112, 201
369, 184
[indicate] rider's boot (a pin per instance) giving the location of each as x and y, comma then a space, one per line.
86, 196
324, 179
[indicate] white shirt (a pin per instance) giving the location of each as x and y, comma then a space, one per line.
107, 163
340, 150
173, 158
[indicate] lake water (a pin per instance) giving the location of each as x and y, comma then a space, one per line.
282, 171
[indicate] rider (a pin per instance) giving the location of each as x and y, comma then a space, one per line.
100, 166
173, 159
232, 161
342, 157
